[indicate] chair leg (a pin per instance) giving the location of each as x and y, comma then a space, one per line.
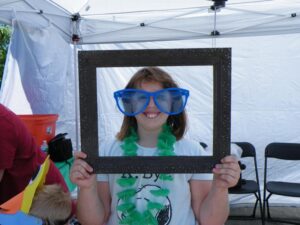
268, 207
254, 208
261, 211
277, 221
264, 210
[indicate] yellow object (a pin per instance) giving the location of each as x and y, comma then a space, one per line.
23, 200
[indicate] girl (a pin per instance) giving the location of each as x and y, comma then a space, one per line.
154, 124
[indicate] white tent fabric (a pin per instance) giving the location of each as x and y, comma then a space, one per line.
39, 74
40, 69
102, 21
237, 19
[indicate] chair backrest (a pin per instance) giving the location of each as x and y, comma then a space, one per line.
203, 145
287, 151
247, 148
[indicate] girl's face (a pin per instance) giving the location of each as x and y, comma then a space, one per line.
151, 119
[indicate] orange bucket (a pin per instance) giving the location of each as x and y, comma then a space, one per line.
41, 126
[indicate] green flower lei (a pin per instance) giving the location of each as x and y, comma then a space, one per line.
165, 145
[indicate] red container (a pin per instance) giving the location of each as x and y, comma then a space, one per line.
41, 126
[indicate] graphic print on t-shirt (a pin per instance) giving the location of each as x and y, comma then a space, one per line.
143, 196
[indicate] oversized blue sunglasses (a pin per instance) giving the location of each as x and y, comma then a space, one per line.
134, 101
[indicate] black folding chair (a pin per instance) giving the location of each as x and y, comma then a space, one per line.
247, 186
203, 145
281, 151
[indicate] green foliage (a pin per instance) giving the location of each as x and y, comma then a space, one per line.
5, 33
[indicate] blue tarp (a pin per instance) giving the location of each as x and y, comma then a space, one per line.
19, 218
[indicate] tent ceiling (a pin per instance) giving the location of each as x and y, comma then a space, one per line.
140, 20
39, 13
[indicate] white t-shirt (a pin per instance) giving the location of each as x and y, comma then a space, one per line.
177, 205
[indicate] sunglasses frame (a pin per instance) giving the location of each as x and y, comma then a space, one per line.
119, 93
218, 58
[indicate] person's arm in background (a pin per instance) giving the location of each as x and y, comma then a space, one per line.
90, 209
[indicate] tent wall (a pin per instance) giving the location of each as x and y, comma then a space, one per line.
38, 76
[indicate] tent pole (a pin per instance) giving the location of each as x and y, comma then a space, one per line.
77, 132
215, 32
75, 39
76, 96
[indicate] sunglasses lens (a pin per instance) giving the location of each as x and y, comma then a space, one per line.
132, 102
171, 101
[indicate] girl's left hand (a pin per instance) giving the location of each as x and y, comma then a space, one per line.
227, 173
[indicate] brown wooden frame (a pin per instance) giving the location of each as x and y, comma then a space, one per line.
89, 61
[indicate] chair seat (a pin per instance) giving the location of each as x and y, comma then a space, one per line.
248, 186
284, 188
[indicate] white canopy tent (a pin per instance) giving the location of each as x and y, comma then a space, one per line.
40, 73
118, 21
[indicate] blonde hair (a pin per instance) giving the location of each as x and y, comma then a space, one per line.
52, 205
153, 74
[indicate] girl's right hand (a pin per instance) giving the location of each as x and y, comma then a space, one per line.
81, 172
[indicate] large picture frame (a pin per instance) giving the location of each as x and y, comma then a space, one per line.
218, 58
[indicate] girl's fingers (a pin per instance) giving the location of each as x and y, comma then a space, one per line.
233, 166
230, 168
80, 170
78, 174
82, 164
229, 159
83, 169
81, 173
229, 180
79, 155
228, 172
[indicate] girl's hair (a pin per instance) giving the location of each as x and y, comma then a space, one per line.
153, 74
52, 205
